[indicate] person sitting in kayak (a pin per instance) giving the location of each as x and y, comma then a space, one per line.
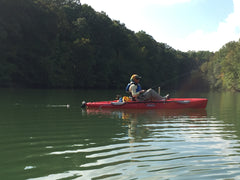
134, 88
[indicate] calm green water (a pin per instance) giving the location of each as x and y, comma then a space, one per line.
42, 138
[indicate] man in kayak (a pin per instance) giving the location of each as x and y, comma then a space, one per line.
134, 88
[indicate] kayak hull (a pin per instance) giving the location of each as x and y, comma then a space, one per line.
172, 103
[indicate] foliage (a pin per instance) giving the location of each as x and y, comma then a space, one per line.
223, 69
64, 44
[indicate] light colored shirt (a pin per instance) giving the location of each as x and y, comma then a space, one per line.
133, 90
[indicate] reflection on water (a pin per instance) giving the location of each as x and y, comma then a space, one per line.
43, 138
138, 120
171, 144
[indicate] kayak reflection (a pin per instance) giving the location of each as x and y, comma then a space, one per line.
141, 124
128, 113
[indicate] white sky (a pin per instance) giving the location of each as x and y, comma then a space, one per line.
182, 24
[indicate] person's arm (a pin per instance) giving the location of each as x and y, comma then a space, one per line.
133, 90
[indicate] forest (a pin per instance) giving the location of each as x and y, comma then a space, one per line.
66, 44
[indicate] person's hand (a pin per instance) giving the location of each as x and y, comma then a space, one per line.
142, 91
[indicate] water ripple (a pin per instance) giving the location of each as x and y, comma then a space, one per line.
138, 146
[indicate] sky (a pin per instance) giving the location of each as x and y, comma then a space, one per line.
185, 25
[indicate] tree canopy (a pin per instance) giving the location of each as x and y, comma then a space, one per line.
64, 44
223, 69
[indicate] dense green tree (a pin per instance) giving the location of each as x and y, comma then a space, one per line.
64, 44
230, 71
222, 69
27, 35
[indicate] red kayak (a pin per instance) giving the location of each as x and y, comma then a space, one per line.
172, 103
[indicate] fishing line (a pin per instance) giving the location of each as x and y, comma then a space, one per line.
170, 80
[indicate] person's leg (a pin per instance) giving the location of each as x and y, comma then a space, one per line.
150, 94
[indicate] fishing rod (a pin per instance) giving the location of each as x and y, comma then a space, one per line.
170, 80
